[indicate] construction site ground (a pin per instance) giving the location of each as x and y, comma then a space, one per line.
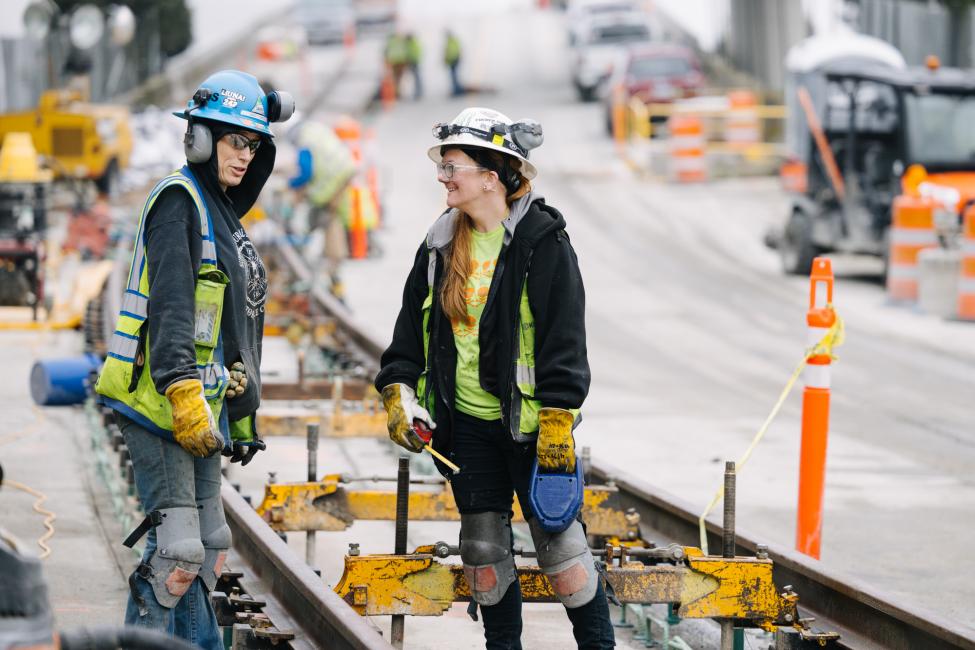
692, 333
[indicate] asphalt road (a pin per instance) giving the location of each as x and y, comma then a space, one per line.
693, 331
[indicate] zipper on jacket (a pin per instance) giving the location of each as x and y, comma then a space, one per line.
516, 350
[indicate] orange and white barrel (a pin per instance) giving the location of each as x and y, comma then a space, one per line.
966, 282
911, 231
742, 126
686, 144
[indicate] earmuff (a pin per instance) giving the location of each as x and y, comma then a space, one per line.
280, 106
197, 141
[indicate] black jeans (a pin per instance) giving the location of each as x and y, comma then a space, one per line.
494, 468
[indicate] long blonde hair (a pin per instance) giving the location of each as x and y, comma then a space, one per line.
457, 262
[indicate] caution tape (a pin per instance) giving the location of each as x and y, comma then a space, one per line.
833, 338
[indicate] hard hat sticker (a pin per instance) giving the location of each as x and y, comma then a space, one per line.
231, 98
258, 108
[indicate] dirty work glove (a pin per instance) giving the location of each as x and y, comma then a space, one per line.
237, 383
401, 406
556, 448
193, 425
244, 441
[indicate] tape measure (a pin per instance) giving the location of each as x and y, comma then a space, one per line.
555, 498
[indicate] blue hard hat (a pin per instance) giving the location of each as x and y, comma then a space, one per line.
234, 97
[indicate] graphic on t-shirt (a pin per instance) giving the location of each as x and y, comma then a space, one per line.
251, 262
475, 295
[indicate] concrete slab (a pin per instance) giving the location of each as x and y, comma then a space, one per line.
45, 448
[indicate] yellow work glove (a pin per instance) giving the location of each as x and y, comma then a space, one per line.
193, 425
402, 408
556, 448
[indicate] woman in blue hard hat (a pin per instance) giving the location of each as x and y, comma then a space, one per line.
182, 368
489, 350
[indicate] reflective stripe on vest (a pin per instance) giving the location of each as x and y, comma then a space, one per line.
142, 401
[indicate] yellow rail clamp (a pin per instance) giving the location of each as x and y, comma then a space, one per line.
739, 589
330, 505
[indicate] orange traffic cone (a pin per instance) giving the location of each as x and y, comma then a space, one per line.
387, 90
358, 236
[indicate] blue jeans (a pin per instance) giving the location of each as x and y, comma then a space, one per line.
167, 476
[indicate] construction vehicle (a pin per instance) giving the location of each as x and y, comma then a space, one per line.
80, 140
858, 119
23, 194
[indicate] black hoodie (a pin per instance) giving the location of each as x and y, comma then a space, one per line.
173, 251
538, 250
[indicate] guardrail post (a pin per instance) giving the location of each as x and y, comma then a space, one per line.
815, 412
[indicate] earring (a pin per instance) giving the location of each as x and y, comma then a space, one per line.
485, 188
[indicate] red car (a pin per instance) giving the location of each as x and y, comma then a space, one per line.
656, 74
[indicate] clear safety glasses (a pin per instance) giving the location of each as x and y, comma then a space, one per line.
447, 169
239, 141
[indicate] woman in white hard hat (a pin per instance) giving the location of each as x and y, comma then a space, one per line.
489, 350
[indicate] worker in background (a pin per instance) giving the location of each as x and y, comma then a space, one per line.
396, 55
182, 372
451, 58
414, 52
489, 350
325, 167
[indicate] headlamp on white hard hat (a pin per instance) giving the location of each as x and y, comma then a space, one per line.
485, 128
523, 136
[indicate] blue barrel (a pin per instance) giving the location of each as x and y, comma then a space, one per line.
60, 382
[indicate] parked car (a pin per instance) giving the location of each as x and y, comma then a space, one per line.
325, 21
605, 39
655, 74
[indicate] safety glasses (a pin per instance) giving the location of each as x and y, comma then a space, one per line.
447, 169
239, 141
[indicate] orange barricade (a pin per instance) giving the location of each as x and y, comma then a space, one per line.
618, 116
687, 158
966, 283
358, 236
815, 412
742, 126
911, 231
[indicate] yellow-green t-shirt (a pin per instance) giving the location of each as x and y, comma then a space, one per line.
470, 397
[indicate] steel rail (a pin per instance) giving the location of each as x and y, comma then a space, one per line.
297, 598
866, 618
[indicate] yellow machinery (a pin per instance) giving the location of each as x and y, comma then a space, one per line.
23, 196
81, 140
330, 505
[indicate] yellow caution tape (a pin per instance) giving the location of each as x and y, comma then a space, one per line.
833, 337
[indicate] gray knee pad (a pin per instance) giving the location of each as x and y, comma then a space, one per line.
485, 549
566, 560
179, 554
216, 537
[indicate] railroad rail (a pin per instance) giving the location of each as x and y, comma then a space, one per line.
865, 617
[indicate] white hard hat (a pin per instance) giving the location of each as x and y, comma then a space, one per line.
489, 129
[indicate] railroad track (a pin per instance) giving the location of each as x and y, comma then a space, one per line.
298, 600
